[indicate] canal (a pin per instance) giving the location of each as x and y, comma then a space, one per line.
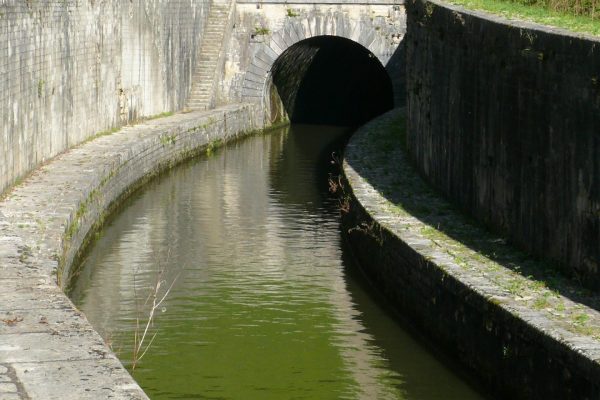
262, 301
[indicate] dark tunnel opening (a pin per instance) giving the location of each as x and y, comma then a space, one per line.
331, 80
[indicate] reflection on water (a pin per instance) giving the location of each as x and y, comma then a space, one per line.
261, 306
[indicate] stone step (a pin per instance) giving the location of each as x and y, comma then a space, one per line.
212, 45
208, 67
199, 96
202, 73
199, 78
208, 57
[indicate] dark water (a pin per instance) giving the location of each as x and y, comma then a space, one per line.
264, 303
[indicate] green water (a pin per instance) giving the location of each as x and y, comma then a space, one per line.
264, 302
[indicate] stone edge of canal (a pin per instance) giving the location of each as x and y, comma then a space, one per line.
48, 349
513, 350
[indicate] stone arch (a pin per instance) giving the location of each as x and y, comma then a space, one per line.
294, 30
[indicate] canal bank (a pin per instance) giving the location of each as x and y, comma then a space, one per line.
524, 331
265, 301
48, 349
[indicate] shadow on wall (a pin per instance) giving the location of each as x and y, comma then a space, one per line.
334, 81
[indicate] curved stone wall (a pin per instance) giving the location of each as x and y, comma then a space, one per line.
463, 288
71, 69
504, 118
49, 350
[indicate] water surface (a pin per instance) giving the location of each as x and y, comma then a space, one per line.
264, 302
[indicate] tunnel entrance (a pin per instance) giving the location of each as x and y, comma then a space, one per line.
330, 80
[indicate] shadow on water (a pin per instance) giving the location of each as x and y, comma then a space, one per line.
408, 353
420, 360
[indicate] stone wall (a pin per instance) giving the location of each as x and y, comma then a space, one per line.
504, 119
71, 69
52, 352
465, 290
263, 32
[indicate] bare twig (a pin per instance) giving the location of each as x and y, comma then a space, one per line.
155, 299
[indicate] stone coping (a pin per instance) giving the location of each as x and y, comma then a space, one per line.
418, 237
514, 22
325, 2
48, 349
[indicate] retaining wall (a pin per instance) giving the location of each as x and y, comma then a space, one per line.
49, 350
516, 336
504, 118
70, 69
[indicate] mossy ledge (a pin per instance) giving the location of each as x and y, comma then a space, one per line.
48, 345
522, 330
